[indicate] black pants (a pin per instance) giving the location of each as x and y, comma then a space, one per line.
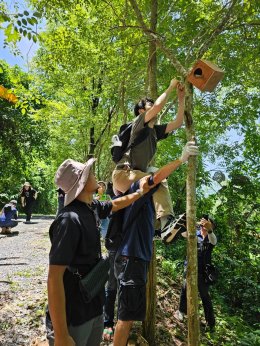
205, 297
28, 210
111, 292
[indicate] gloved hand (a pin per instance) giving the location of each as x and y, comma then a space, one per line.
190, 149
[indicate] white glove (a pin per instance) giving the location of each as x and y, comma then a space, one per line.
190, 149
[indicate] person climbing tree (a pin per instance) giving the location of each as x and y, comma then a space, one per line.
135, 162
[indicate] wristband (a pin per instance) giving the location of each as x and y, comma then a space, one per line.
150, 180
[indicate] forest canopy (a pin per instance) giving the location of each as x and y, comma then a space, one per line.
95, 60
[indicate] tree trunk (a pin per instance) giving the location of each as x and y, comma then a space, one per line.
149, 323
192, 268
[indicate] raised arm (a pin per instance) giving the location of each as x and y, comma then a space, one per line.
125, 201
175, 124
160, 102
22, 201
190, 149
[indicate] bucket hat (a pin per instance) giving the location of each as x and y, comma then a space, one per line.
72, 176
27, 184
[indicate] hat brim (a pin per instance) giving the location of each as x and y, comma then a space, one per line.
76, 190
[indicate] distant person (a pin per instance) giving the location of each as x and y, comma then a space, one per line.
61, 197
205, 245
8, 213
28, 197
110, 190
102, 196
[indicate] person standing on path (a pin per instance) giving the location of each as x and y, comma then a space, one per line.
135, 250
102, 196
75, 243
28, 197
206, 241
61, 197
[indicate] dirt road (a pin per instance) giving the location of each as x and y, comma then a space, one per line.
23, 273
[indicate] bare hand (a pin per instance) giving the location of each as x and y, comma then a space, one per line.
181, 91
206, 224
144, 184
174, 83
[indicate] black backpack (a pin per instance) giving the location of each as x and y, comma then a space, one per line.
124, 134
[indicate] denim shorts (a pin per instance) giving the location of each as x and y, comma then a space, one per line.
132, 275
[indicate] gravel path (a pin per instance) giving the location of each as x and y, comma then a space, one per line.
23, 273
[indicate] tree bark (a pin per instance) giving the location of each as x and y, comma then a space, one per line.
149, 323
192, 267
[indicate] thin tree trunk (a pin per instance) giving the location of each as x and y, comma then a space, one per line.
149, 323
192, 268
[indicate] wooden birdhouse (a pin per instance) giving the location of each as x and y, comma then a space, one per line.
205, 75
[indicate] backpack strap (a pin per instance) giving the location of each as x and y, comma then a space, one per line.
144, 133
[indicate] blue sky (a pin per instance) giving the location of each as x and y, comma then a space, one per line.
27, 48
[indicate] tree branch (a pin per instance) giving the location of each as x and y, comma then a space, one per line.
175, 62
219, 28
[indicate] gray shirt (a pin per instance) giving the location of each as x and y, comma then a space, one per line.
142, 154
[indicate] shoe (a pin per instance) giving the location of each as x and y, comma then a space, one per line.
179, 315
6, 230
108, 334
173, 229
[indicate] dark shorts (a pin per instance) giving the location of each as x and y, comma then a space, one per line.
132, 275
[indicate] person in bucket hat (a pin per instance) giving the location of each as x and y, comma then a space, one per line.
8, 213
28, 197
75, 243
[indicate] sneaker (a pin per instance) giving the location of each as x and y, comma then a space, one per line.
173, 229
6, 230
179, 315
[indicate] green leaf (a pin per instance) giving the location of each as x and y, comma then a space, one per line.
26, 13
24, 21
37, 14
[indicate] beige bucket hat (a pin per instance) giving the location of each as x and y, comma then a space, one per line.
27, 184
72, 176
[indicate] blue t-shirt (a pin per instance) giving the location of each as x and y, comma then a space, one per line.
9, 212
138, 228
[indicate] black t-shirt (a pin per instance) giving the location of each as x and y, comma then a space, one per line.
75, 242
29, 195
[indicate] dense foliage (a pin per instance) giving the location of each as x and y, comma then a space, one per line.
93, 64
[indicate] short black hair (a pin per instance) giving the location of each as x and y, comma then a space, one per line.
141, 104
